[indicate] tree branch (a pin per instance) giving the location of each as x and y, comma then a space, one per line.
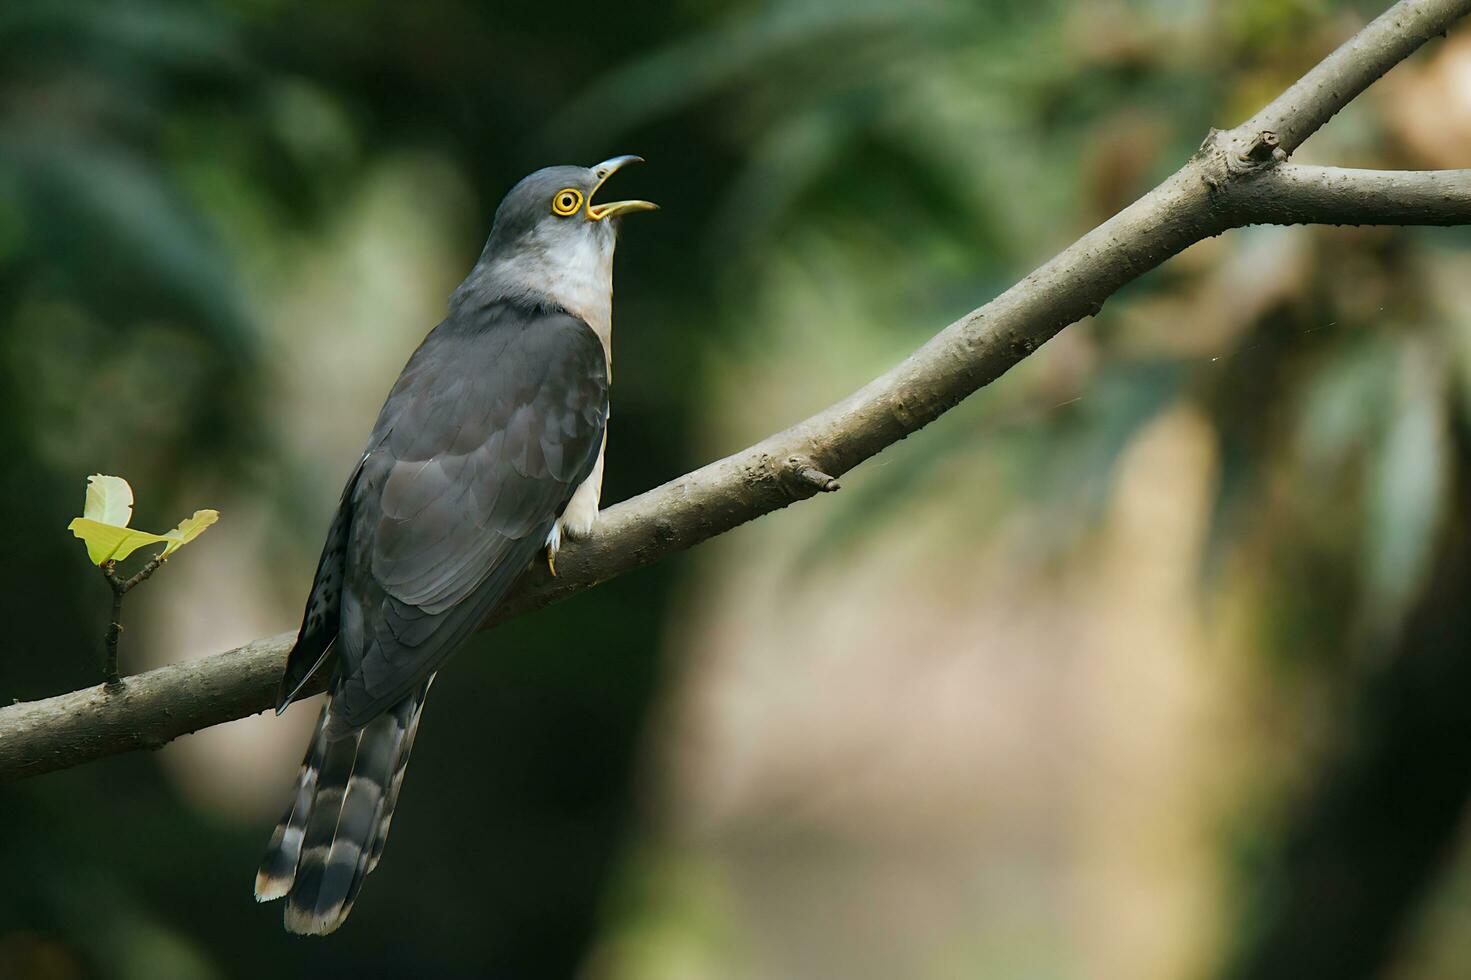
1339, 78
1291, 194
1237, 178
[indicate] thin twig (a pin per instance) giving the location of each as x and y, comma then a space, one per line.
115, 625
153, 565
119, 589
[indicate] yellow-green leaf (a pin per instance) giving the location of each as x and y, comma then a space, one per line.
104, 524
107, 542
189, 529
109, 500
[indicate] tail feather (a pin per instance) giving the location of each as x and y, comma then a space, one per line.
333, 832
314, 904
397, 782
278, 869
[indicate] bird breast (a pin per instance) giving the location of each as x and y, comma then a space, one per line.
582, 283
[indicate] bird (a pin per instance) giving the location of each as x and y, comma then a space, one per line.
486, 456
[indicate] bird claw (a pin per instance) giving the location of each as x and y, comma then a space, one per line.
554, 545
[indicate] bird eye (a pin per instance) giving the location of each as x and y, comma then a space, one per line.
566, 201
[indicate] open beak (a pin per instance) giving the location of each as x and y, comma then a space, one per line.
604, 170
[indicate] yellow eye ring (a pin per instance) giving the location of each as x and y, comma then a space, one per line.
567, 201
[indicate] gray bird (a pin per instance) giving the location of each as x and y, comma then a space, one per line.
488, 451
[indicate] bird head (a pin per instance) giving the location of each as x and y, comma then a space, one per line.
554, 209
552, 238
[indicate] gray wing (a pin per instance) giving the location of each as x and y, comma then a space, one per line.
316, 640
479, 447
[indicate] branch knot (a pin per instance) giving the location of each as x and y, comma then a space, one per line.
803, 479
1251, 153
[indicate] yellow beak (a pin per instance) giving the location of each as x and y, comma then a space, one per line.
604, 170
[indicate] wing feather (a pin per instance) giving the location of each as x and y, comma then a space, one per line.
491, 428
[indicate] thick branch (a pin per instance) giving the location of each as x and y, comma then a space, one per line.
1339, 78
1236, 179
149, 711
1291, 194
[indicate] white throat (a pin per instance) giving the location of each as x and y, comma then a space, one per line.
577, 275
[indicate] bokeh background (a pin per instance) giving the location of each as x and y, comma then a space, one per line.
1150, 661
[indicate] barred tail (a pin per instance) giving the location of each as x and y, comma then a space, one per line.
332, 833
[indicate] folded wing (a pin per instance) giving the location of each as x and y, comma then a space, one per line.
494, 423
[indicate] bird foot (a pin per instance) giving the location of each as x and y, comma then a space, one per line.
554, 545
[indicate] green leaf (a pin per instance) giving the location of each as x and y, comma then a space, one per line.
104, 524
189, 529
108, 542
109, 500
